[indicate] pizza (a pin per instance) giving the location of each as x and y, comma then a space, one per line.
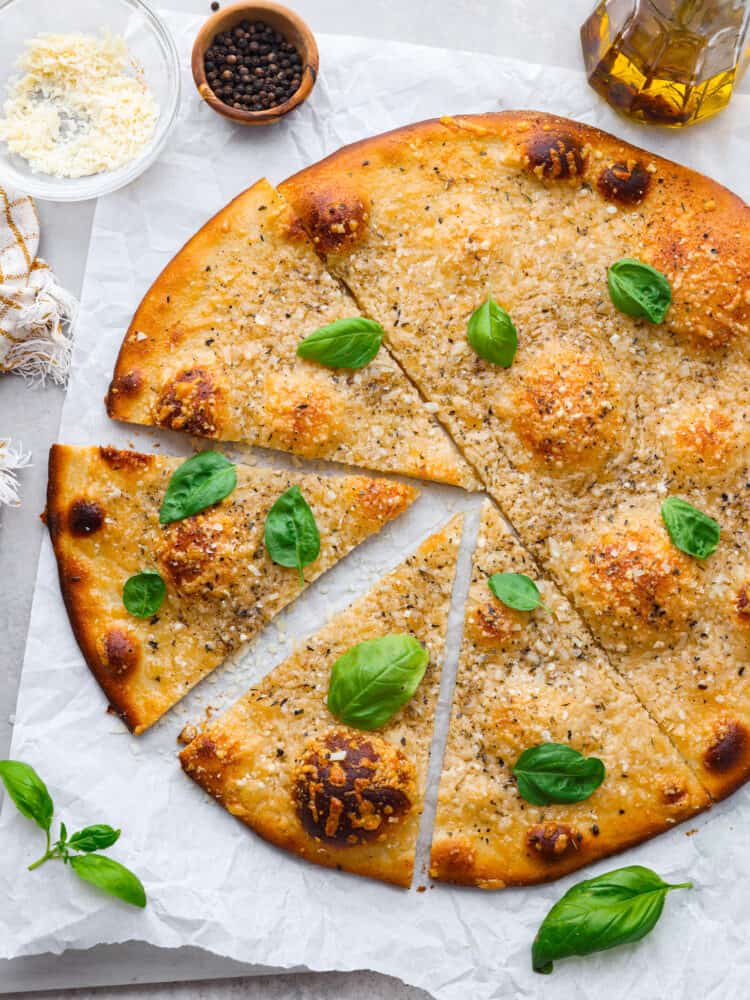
211, 352
222, 587
601, 416
529, 678
336, 795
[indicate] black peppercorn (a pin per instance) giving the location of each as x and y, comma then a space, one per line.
252, 67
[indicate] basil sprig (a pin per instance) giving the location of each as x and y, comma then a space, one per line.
639, 290
144, 593
516, 590
200, 482
618, 907
555, 772
491, 334
375, 678
347, 343
28, 791
291, 534
690, 529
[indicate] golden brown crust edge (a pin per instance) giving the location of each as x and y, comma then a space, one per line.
689, 226
451, 860
74, 591
130, 379
199, 763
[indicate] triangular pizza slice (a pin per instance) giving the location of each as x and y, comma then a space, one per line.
212, 349
220, 586
529, 678
335, 794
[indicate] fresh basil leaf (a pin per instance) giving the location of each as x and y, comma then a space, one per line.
555, 772
615, 908
144, 593
291, 534
375, 678
516, 590
492, 335
94, 838
28, 791
110, 876
690, 529
639, 290
200, 482
347, 343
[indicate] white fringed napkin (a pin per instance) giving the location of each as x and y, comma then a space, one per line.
36, 314
12, 458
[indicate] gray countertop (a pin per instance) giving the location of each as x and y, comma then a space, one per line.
536, 30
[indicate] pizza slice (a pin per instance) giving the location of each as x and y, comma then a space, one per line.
211, 351
336, 794
218, 584
529, 678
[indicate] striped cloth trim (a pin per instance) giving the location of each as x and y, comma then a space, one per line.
36, 314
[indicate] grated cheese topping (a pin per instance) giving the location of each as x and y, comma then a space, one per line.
81, 107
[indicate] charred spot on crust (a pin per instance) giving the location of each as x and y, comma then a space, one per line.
296, 232
121, 651
553, 840
118, 460
742, 604
728, 748
453, 857
206, 748
349, 788
85, 517
555, 155
627, 182
671, 794
335, 220
188, 403
127, 384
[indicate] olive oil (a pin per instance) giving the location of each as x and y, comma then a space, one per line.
666, 62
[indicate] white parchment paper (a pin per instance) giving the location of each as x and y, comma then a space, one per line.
210, 882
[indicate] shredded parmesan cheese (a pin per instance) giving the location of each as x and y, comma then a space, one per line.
78, 109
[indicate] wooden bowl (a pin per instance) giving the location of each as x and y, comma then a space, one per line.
281, 19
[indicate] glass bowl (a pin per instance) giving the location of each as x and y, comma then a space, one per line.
148, 41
